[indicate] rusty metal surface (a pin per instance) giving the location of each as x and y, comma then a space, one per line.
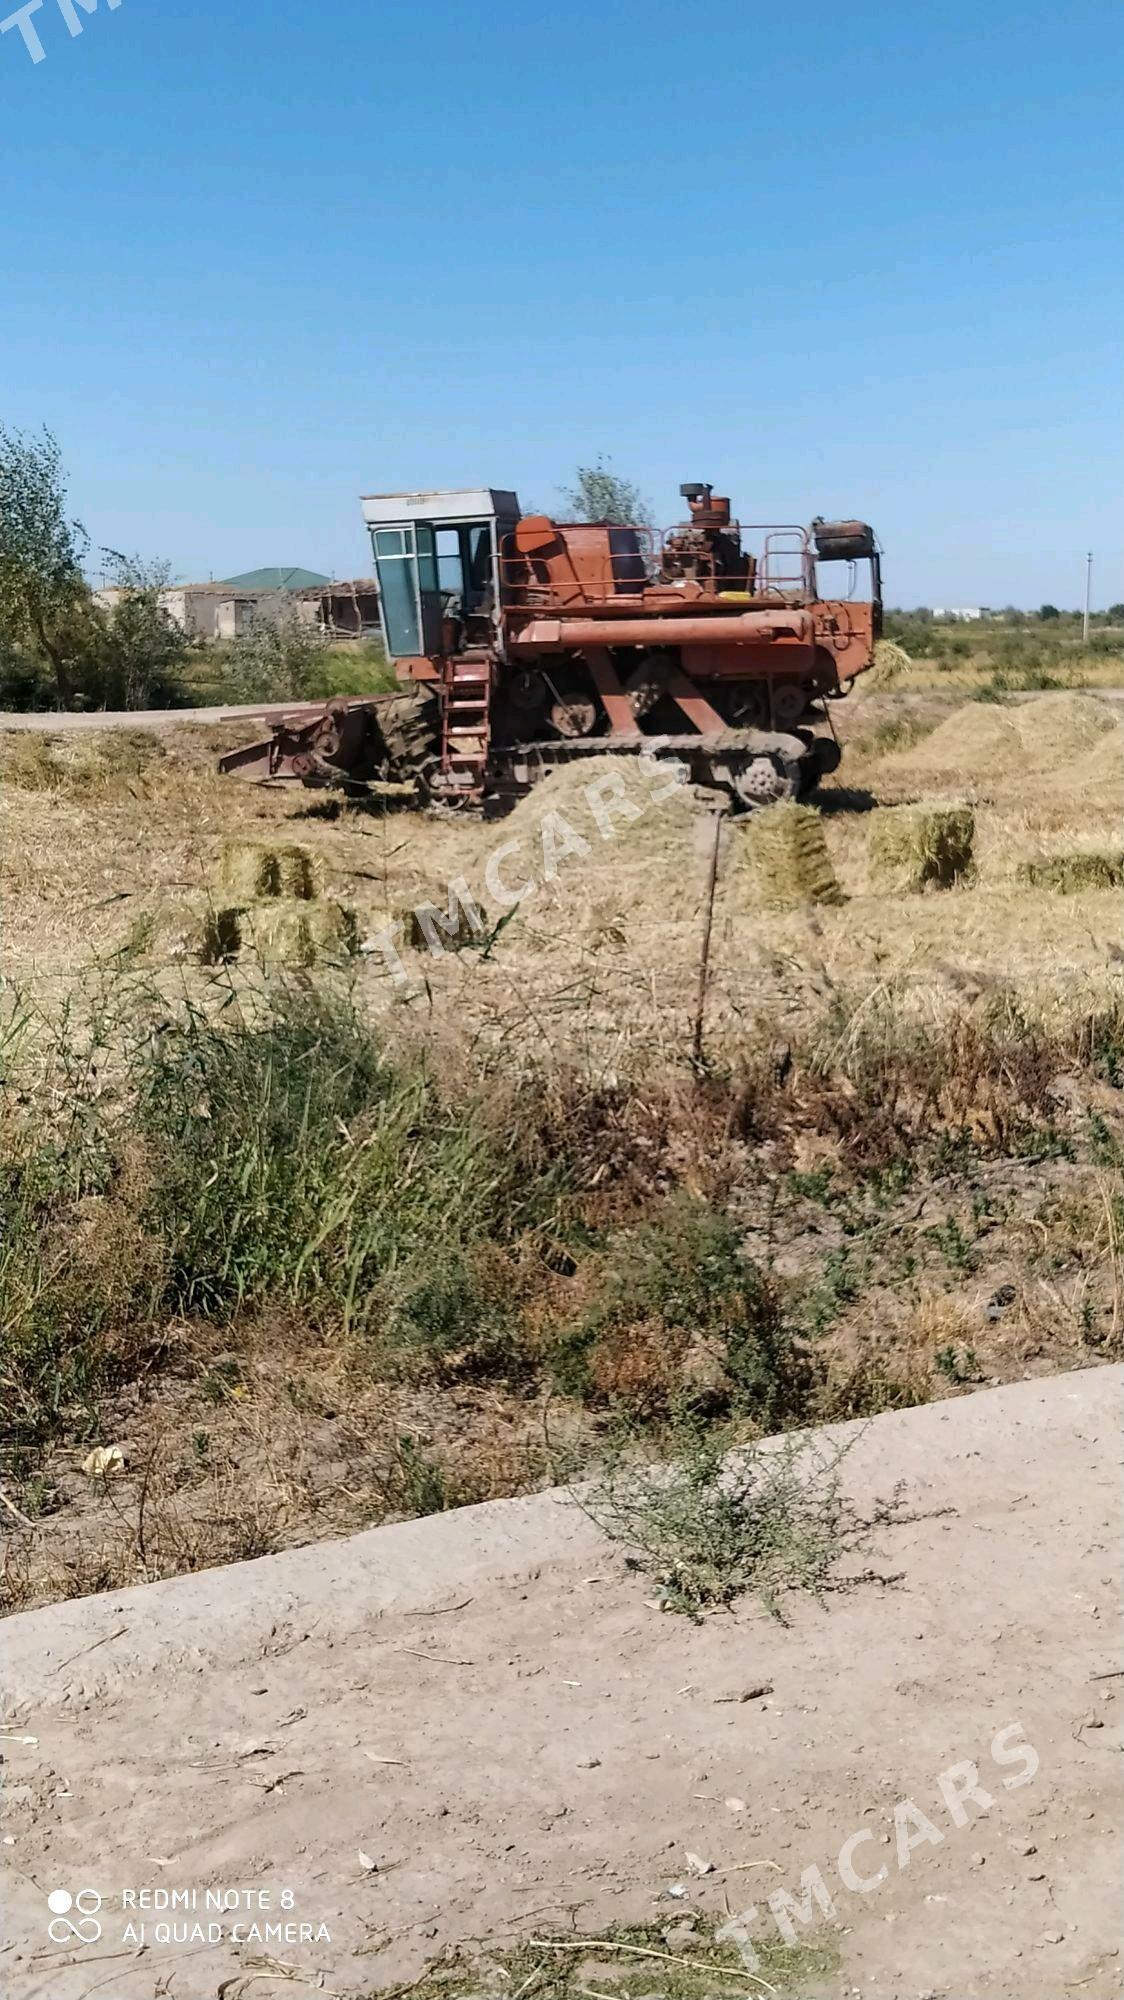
664, 629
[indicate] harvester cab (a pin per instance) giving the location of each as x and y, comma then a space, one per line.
437, 565
521, 642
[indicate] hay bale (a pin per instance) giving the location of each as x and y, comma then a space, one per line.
788, 859
299, 873
915, 847
293, 931
250, 870
218, 938
1071, 874
254, 869
448, 937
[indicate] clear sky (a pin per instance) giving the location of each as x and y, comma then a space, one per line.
844, 258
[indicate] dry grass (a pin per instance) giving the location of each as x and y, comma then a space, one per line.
602, 954
841, 1040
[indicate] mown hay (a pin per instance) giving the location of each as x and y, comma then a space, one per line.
1070, 874
219, 935
995, 746
610, 801
890, 662
30, 762
917, 847
293, 931
250, 869
786, 854
298, 873
253, 869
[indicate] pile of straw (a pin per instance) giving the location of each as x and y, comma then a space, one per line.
786, 854
1070, 874
890, 662
998, 746
920, 847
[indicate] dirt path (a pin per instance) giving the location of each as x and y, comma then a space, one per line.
53, 722
486, 1707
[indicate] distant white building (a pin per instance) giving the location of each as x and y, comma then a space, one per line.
965, 614
214, 610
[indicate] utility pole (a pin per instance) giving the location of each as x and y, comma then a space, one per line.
1088, 586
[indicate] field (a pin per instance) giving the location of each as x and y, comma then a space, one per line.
319, 1236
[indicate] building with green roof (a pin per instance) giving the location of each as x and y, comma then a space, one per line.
276, 579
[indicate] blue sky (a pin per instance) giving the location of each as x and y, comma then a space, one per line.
859, 258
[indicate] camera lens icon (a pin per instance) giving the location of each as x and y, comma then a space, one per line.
63, 1927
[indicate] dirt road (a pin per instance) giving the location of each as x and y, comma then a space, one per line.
54, 722
486, 1708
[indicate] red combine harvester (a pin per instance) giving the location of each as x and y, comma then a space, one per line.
523, 642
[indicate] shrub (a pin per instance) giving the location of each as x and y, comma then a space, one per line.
680, 1317
715, 1524
295, 662
242, 1163
134, 655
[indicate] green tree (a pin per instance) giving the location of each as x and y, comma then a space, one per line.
43, 593
600, 494
1049, 611
136, 652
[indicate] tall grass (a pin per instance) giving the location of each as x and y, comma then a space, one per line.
212, 1164
1023, 655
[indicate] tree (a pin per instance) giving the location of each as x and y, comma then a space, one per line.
42, 589
1049, 611
136, 652
1115, 614
601, 495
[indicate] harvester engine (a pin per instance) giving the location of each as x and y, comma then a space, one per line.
521, 642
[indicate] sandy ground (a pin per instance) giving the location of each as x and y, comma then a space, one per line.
488, 1709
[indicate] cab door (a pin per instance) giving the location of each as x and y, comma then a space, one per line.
409, 589
396, 562
430, 599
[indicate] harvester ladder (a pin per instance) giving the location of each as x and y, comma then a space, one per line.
466, 722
